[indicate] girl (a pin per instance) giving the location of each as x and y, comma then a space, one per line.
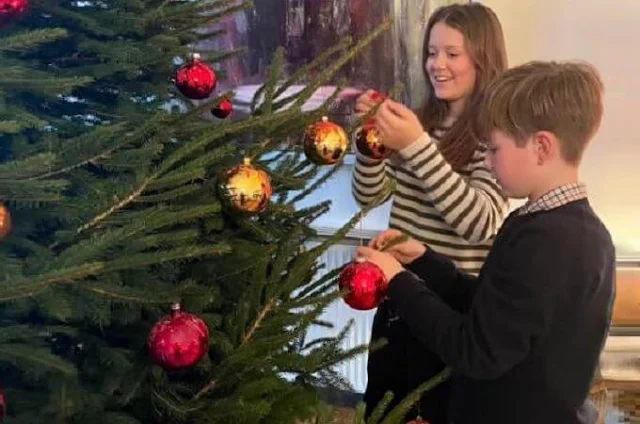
445, 196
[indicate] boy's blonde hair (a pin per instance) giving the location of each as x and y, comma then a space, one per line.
564, 98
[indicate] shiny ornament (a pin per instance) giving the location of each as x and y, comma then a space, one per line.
418, 421
223, 110
245, 188
5, 221
325, 143
196, 80
11, 9
3, 406
365, 283
179, 340
369, 143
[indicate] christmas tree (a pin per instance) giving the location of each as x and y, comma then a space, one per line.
117, 207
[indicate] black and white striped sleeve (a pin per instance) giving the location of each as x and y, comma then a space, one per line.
474, 207
369, 178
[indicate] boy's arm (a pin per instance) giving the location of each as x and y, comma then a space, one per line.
512, 305
441, 275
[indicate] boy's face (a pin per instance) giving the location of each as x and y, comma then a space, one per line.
514, 167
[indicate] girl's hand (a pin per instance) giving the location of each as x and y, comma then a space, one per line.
398, 125
404, 252
367, 101
387, 263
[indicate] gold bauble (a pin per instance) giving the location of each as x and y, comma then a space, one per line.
325, 142
5, 221
245, 188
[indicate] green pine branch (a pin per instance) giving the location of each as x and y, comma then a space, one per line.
17, 120
229, 130
325, 76
399, 412
38, 360
32, 191
143, 223
79, 18
137, 207
303, 72
27, 167
32, 286
132, 295
269, 87
10, 127
30, 39
27, 79
188, 19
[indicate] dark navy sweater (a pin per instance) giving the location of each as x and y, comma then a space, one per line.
524, 337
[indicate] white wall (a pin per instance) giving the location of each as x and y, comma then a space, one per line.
607, 34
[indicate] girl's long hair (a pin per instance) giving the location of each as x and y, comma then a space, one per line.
484, 41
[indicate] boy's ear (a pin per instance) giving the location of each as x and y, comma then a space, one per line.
546, 145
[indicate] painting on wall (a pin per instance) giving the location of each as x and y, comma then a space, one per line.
305, 28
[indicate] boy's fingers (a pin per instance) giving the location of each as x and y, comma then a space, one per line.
364, 252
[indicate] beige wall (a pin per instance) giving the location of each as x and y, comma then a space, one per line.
606, 33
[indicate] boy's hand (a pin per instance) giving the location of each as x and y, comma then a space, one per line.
387, 263
404, 252
398, 125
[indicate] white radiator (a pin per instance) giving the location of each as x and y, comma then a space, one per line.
339, 314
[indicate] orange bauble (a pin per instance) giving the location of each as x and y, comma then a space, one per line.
5, 221
325, 142
369, 143
246, 189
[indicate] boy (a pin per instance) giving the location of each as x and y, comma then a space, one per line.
524, 337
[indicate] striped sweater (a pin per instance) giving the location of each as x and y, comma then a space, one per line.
455, 213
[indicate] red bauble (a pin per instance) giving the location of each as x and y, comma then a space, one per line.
418, 421
179, 340
365, 283
223, 110
369, 143
3, 406
196, 80
10, 9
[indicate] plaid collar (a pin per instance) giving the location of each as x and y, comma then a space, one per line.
555, 198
